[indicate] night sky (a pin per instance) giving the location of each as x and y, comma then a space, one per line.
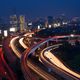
40, 8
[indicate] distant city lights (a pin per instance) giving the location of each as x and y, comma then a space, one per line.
38, 26
30, 24
5, 33
64, 23
49, 26
12, 29
57, 24
0, 31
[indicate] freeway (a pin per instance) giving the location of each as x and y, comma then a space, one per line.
36, 69
13, 44
32, 66
46, 54
30, 51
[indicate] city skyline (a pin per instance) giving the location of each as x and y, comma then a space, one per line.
40, 8
40, 40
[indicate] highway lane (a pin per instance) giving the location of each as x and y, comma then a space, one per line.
58, 63
13, 44
22, 43
13, 47
25, 69
40, 71
5, 70
29, 35
55, 61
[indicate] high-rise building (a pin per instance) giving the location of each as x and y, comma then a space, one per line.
14, 22
22, 23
